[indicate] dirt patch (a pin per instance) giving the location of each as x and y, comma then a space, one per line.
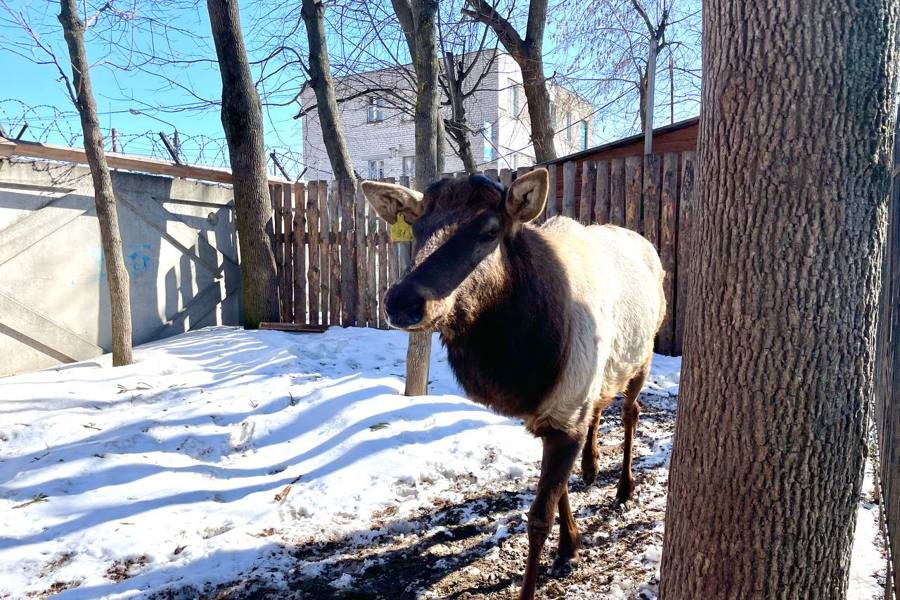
475, 548
124, 568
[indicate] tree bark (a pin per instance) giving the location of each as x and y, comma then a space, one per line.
529, 55
419, 15
107, 214
313, 12
243, 125
795, 165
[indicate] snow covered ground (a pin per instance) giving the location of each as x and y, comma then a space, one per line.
226, 461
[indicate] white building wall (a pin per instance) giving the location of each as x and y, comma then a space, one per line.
489, 111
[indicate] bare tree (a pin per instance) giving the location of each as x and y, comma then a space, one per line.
242, 122
528, 53
418, 17
336, 146
82, 95
624, 45
779, 357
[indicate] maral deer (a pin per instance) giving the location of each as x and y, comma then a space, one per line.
545, 323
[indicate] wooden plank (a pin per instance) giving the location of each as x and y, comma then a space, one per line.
334, 310
277, 222
522, 171
383, 246
667, 232
393, 264
287, 214
120, 161
294, 327
492, 174
686, 203
403, 180
314, 272
633, 184
617, 192
552, 208
371, 269
324, 250
300, 253
362, 291
588, 183
568, 202
601, 197
506, 177
652, 175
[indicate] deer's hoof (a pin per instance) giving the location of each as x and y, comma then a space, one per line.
625, 491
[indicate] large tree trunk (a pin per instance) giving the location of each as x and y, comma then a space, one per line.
243, 125
107, 214
313, 12
795, 164
456, 125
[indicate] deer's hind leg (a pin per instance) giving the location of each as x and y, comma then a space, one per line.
590, 455
630, 412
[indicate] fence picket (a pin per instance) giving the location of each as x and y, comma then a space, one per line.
314, 289
617, 192
371, 283
278, 236
652, 170
667, 231
287, 215
601, 200
588, 183
324, 259
568, 203
383, 248
334, 306
682, 243
299, 253
633, 181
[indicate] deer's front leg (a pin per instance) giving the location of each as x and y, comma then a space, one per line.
560, 452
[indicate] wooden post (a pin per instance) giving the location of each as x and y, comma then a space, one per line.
299, 253
633, 193
588, 183
568, 206
362, 300
492, 173
313, 272
601, 201
682, 242
506, 177
617, 192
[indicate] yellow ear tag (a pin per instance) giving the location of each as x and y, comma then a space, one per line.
401, 231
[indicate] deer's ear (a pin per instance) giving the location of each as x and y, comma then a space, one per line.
390, 199
527, 195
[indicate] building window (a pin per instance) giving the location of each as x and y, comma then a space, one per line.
584, 135
513, 97
376, 169
409, 166
376, 110
489, 131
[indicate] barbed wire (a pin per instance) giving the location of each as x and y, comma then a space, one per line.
49, 125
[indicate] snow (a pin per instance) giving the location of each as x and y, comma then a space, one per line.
220, 447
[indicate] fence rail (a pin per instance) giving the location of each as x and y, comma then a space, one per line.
651, 195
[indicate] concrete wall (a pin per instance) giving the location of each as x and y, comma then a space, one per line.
180, 252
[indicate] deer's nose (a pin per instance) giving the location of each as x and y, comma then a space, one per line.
404, 305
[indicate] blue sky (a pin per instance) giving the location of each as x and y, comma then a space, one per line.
139, 102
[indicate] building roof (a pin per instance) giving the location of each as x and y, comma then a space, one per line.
622, 144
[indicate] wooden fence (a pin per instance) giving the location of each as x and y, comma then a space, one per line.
651, 195
887, 387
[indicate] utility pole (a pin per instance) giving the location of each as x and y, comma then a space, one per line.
671, 89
